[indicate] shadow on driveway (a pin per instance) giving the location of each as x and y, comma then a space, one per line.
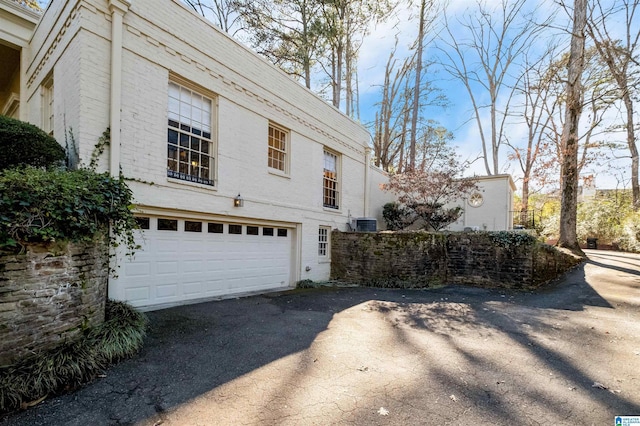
345, 356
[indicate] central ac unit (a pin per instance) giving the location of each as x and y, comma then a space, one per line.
364, 224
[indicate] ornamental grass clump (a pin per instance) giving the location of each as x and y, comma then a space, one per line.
71, 365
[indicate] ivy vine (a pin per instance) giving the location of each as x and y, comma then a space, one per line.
510, 239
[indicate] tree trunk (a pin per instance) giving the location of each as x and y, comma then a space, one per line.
569, 201
416, 90
633, 150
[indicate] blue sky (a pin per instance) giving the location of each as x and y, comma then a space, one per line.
458, 117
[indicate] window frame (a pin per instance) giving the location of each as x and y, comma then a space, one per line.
324, 243
331, 185
274, 127
174, 174
48, 105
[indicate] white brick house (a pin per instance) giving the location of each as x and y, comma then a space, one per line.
196, 119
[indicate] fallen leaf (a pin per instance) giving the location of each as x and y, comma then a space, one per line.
383, 411
26, 405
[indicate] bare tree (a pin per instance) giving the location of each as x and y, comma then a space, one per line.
497, 37
223, 13
569, 196
426, 16
390, 124
545, 98
394, 119
538, 108
621, 56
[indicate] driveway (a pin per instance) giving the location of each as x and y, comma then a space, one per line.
569, 355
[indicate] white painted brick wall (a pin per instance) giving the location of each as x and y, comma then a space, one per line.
250, 92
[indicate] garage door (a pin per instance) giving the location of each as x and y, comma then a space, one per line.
182, 260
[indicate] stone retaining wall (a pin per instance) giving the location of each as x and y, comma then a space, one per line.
49, 295
422, 259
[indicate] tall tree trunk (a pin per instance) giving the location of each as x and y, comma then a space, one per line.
337, 76
416, 89
633, 150
306, 60
569, 171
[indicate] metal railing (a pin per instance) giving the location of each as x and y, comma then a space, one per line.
524, 219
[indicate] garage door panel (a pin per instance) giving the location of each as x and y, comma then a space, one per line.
137, 269
164, 291
175, 266
166, 267
137, 294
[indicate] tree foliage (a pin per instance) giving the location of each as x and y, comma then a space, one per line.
23, 144
430, 195
84, 204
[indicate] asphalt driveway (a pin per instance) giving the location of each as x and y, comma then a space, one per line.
569, 355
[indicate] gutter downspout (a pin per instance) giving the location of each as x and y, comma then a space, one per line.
367, 186
117, 8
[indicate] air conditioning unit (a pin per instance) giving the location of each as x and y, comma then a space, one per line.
364, 224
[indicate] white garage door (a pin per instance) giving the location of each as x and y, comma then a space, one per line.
184, 260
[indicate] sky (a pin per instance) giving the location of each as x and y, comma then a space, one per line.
458, 116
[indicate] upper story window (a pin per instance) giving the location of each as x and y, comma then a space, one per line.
278, 148
330, 186
47, 105
190, 142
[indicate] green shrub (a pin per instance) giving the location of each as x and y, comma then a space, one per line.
511, 239
73, 364
37, 205
23, 144
396, 216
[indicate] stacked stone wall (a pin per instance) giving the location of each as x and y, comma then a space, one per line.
422, 259
49, 295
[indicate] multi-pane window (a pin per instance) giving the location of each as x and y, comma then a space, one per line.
190, 144
47, 105
323, 241
330, 180
278, 143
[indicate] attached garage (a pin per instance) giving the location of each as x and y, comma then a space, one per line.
184, 260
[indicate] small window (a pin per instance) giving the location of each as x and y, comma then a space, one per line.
331, 183
235, 229
216, 228
267, 232
323, 241
167, 225
252, 230
143, 222
48, 114
282, 232
278, 147
190, 226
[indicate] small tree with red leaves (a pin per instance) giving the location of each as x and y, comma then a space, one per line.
428, 195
